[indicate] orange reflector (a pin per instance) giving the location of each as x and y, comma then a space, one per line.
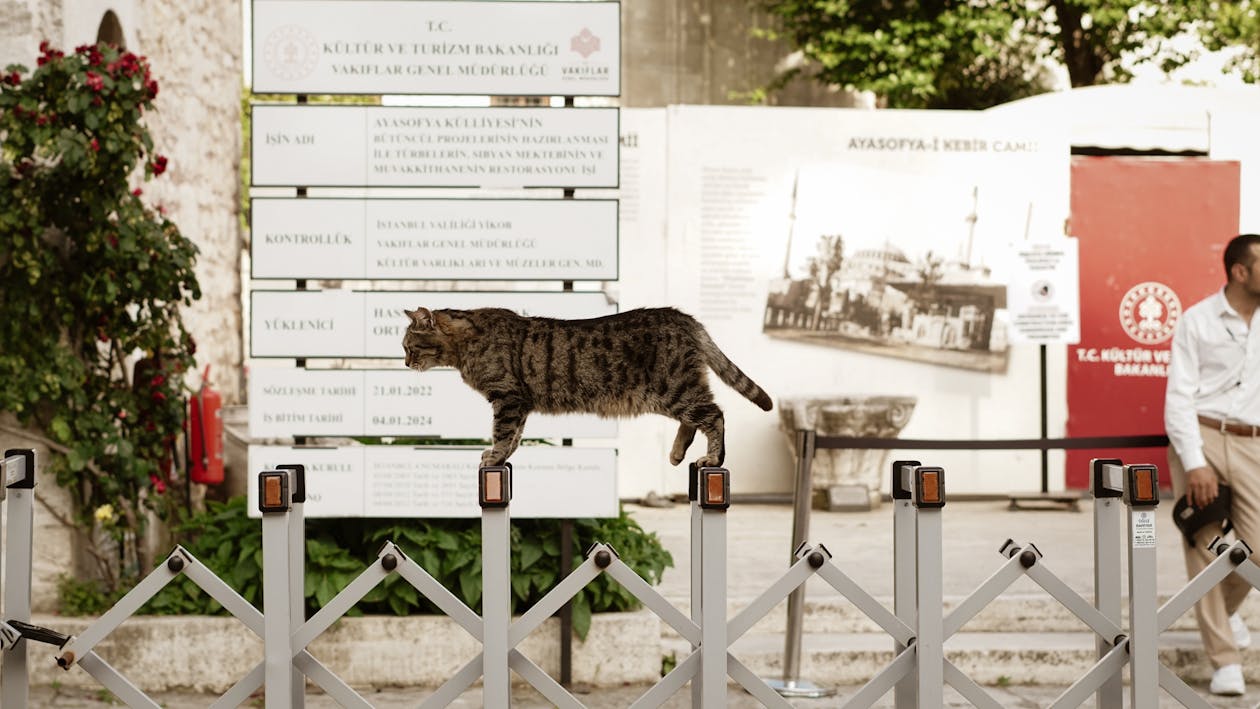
1144, 485
494, 486
930, 486
715, 489
273, 492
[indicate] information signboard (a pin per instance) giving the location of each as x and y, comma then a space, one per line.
385, 146
434, 47
425, 481
434, 239
388, 402
370, 324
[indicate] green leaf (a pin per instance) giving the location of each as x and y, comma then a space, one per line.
581, 616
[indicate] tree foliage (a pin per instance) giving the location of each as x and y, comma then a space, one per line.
91, 278
978, 53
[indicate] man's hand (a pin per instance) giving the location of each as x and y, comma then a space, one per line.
1201, 486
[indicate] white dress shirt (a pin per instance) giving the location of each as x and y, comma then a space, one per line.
1214, 371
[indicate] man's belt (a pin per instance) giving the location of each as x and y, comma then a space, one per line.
1237, 429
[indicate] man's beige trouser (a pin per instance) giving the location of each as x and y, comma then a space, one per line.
1236, 460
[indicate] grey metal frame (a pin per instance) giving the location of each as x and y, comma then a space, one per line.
17, 493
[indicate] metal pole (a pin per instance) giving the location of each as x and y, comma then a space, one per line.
714, 487
275, 502
496, 583
905, 588
1108, 487
1141, 483
19, 482
297, 570
929, 498
697, 575
791, 684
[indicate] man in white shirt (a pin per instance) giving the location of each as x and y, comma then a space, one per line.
1212, 416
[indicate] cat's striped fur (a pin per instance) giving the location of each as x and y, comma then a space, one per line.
647, 361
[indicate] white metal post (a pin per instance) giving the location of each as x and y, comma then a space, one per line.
297, 569
929, 498
495, 494
19, 483
714, 486
1108, 488
275, 502
1141, 483
697, 569
905, 589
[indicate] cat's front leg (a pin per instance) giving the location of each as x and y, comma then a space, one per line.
509, 423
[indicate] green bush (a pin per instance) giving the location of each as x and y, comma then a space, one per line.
90, 275
229, 543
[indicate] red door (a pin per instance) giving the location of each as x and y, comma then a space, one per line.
1152, 231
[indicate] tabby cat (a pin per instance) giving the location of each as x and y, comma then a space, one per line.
648, 361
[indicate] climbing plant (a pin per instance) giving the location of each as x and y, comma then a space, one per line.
92, 279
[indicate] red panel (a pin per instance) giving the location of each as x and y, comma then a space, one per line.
1140, 221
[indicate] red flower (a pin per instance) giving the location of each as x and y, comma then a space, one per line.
152, 87
192, 346
122, 415
157, 380
96, 101
96, 145
137, 192
159, 485
13, 78
159, 396
113, 241
41, 120
102, 337
159, 164
95, 82
43, 47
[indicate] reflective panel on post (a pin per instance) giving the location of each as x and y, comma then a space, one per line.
494, 485
273, 491
929, 487
1142, 483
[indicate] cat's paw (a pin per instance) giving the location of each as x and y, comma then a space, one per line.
676, 457
708, 461
488, 458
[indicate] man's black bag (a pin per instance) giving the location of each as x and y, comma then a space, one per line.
1190, 519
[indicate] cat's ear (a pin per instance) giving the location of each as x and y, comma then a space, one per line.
421, 318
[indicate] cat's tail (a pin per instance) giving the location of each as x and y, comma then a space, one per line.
731, 374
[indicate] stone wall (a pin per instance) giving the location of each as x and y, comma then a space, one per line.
195, 50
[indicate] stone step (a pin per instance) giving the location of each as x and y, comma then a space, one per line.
837, 659
1033, 613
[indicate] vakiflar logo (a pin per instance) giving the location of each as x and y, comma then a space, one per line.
585, 43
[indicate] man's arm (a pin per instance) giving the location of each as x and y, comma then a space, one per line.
1181, 420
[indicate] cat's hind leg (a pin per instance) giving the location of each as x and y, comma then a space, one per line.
707, 417
686, 434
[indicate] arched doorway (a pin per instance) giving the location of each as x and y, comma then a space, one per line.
111, 31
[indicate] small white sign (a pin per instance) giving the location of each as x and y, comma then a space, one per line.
406, 481
383, 146
1043, 294
1144, 529
434, 239
370, 324
393, 47
357, 402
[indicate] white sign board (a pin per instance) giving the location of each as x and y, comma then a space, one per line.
1043, 293
382, 146
370, 324
406, 481
388, 402
393, 47
434, 239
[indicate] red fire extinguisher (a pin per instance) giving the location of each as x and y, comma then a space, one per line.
205, 434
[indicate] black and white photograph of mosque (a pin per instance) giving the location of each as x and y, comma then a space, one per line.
897, 266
